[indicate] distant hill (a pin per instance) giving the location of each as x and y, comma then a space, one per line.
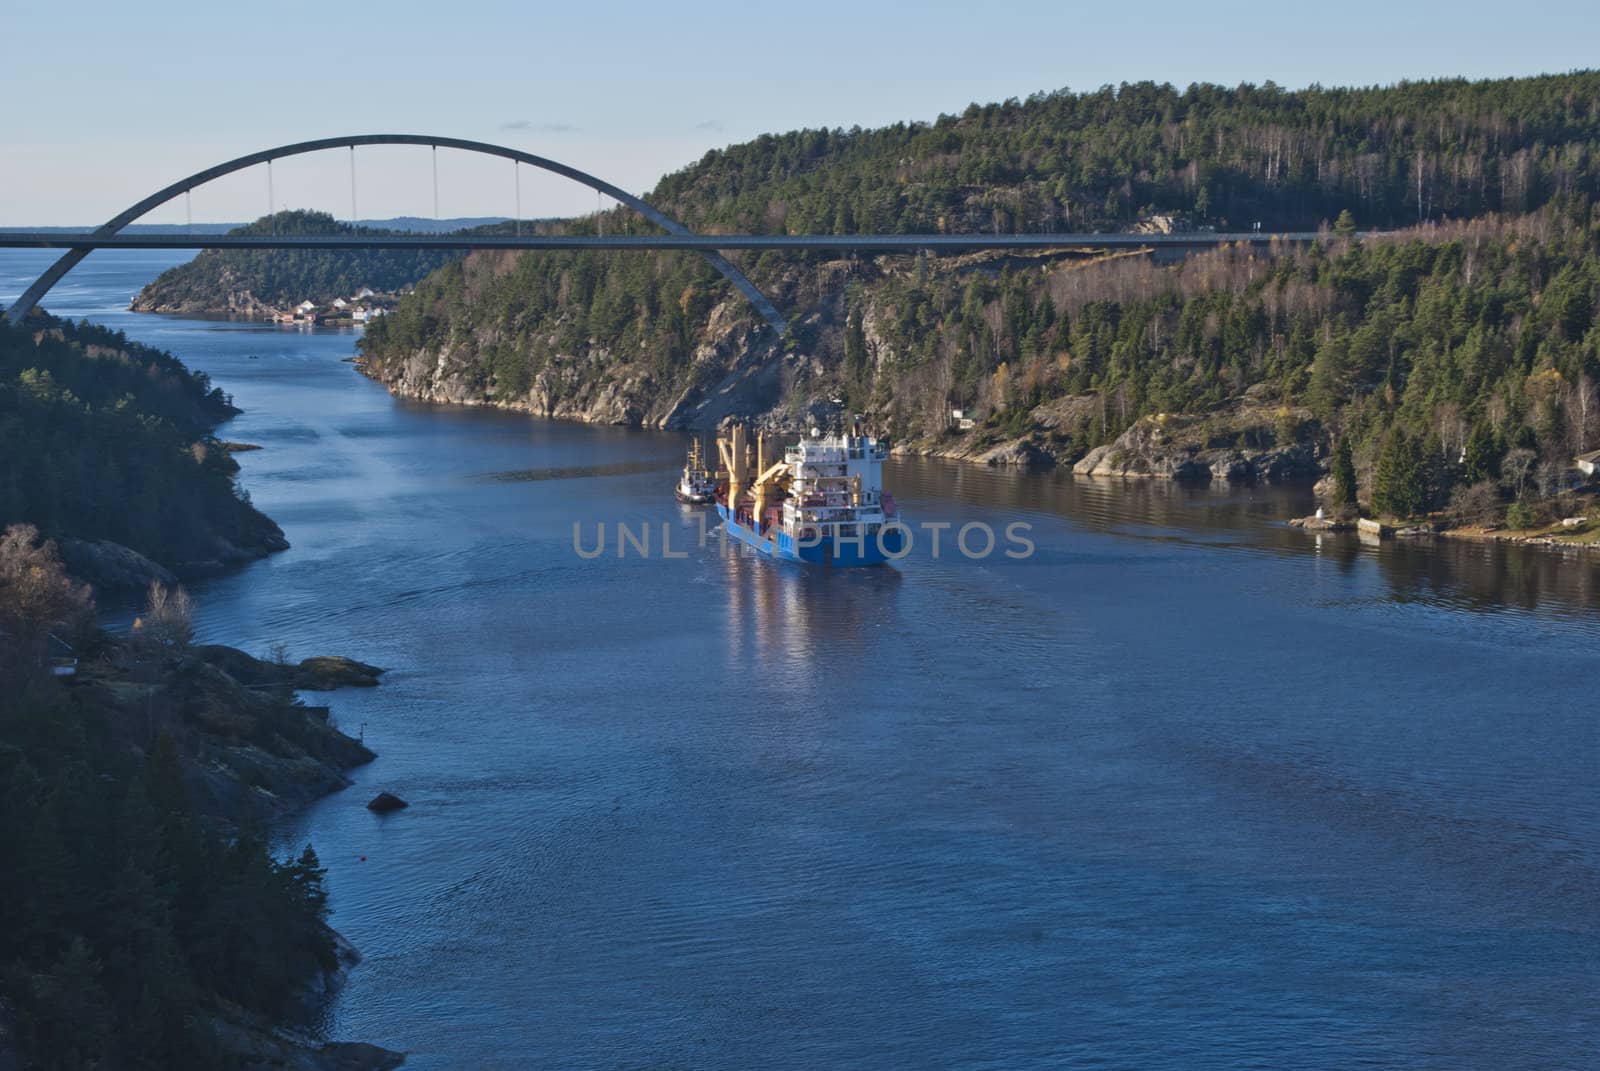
422, 225
414, 224
261, 282
1392, 156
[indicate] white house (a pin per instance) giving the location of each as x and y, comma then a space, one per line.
1589, 463
364, 292
340, 303
305, 307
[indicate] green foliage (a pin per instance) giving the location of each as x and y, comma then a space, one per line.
1397, 484
1482, 457
1521, 515
1344, 475
282, 277
1068, 161
550, 307
102, 438
130, 917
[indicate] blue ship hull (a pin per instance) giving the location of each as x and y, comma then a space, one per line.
869, 550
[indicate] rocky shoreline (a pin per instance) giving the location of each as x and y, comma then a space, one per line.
1248, 440
239, 304
736, 380
111, 566
251, 753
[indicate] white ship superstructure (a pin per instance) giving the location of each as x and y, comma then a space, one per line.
823, 502
836, 487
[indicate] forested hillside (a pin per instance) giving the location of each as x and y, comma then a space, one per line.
254, 281
1413, 346
102, 439
1078, 161
146, 924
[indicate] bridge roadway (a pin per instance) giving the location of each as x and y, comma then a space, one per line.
844, 243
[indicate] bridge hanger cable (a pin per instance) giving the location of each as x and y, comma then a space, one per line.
435, 182
517, 177
188, 214
352, 186
76, 251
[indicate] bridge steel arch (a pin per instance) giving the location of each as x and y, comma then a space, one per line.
72, 257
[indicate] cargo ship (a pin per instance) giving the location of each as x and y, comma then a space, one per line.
822, 502
697, 486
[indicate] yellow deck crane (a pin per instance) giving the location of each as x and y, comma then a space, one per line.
734, 451
771, 479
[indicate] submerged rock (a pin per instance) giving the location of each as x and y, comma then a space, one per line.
261, 1044
1323, 524
322, 673
326, 673
386, 802
356, 1056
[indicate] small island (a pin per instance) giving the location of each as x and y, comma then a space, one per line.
299, 286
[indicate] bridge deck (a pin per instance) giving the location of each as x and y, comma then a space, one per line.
874, 243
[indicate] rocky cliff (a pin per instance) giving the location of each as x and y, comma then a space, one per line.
1243, 443
733, 372
919, 349
225, 293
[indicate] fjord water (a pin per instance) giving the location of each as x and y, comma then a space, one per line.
1184, 789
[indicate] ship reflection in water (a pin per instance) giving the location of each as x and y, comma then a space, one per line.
792, 620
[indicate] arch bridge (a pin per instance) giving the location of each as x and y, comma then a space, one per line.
111, 227
108, 235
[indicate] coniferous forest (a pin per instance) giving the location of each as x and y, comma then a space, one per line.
145, 922
253, 279
102, 438
1442, 333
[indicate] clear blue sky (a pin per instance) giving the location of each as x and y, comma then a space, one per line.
107, 101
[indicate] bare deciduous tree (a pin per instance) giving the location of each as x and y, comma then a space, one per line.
1516, 468
1581, 401
1476, 504
37, 597
168, 620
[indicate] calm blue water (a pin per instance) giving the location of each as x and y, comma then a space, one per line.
1185, 790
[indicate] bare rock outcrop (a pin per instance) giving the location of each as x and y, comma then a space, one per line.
1215, 446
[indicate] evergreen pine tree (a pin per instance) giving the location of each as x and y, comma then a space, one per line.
1437, 474
306, 874
1344, 475
1483, 452
1397, 489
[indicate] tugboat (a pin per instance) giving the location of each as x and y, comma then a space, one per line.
823, 503
697, 486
